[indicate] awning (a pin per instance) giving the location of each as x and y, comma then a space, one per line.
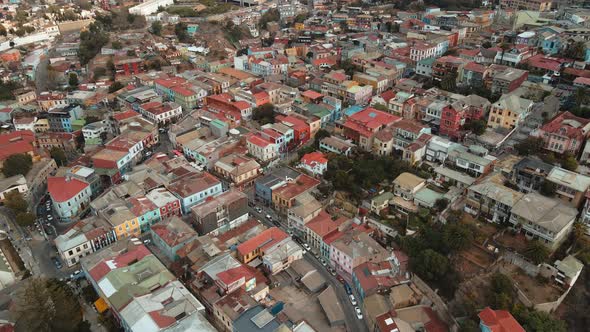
101, 305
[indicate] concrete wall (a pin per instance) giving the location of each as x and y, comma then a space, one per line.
30, 39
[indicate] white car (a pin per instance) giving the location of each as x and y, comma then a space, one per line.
49, 217
268, 217
352, 299
359, 313
259, 210
148, 241
323, 262
74, 274
306, 246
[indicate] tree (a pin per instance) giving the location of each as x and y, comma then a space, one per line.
73, 80
115, 87
99, 72
59, 156
181, 33
91, 41
529, 146
117, 45
321, 134
469, 325
271, 15
547, 188
457, 236
264, 114
536, 252
80, 142
381, 107
478, 127
25, 219
569, 162
17, 164
486, 44
103, 137
537, 321
430, 265
441, 204
14, 201
156, 28
501, 292
3, 31
46, 305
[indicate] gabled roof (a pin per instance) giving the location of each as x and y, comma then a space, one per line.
499, 321
63, 189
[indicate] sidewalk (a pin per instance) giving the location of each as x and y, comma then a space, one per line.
91, 316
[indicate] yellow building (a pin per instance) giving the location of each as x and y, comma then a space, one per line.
508, 112
124, 222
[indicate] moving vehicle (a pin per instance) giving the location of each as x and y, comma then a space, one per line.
359, 313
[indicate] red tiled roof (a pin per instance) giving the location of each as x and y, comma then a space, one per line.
61, 189
311, 94
387, 95
257, 140
323, 224
232, 275
294, 189
133, 254
313, 158
557, 124
125, 115
499, 321
582, 80
263, 240
545, 62
476, 67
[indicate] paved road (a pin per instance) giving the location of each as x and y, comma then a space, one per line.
352, 323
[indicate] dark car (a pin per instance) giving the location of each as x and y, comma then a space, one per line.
347, 288
56, 262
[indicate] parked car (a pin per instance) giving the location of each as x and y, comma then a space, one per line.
352, 299
148, 241
332, 271
359, 313
268, 217
258, 209
306, 246
57, 263
347, 288
324, 263
75, 274
49, 217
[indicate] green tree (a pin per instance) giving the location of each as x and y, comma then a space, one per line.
441, 204
91, 41
468, 325
537, 321
569, 162
17, 164
478, 127
457, 236
430, 265
73, 80
321, 134
46, 305
381, 107
500, 292
486, 44
25, 219
14, 200
536, 252
80, 142
547, 188
99, 72
156, 28
59, 156
529, 146
117, 45
271, 15
116, 87
181, 33
264, 114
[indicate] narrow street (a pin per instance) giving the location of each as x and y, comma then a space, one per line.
353, 324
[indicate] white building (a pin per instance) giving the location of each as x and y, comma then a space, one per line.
93, 131
315, 163
262, 149
161, 113
70, 196
25, 123
13, 183
149, 7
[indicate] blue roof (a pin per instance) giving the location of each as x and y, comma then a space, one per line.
352, 110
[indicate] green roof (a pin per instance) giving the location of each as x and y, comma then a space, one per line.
428, 196
380, 199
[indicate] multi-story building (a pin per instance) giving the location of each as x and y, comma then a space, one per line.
126, 66
221, 213
171, 235
353, 249
535, 5
265, 185
161, 113
564, 133
315, 163
84, 238
457, 114
542, 218
508, 80
241, 171
262, 149
165, 201
509, 112
529, 174
65, 119
448, 67
285, 196
491, 199
194, 188
361, 127
129, 264
570, 186
336, 145
70, 196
